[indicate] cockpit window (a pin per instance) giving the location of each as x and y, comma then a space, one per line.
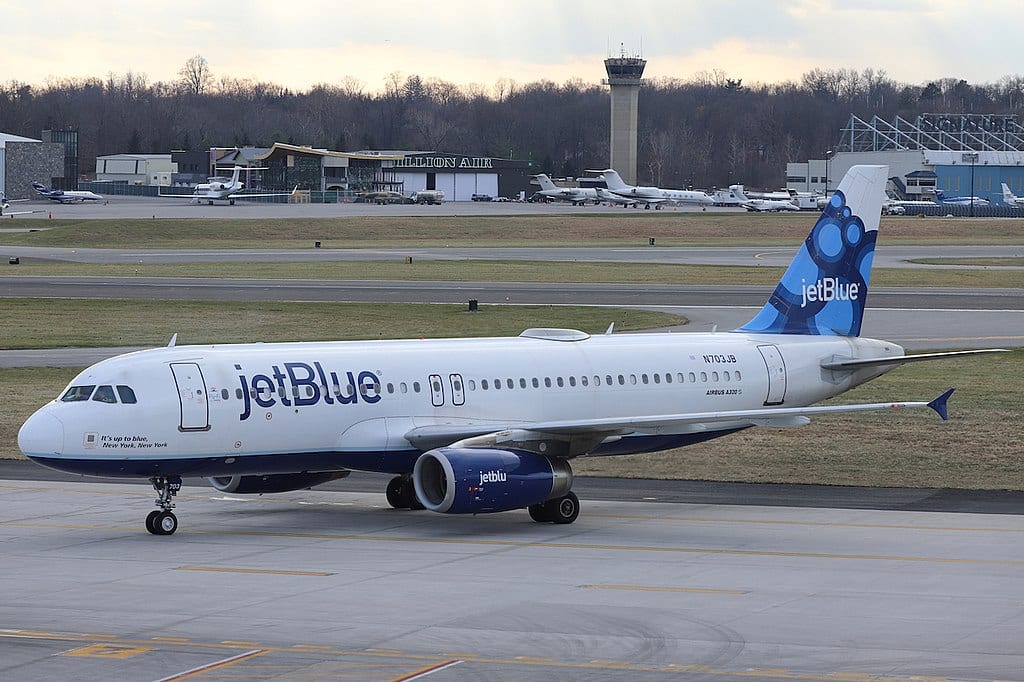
77, 393
104, 394
126, 394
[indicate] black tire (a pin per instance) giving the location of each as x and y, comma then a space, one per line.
538, 513
394, 492
411, 501
563, 509
165, 523
151, 521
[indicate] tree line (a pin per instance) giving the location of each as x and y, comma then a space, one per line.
708, 130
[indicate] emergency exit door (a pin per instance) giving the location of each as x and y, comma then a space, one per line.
776, 367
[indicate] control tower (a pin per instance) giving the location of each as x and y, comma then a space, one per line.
624, 78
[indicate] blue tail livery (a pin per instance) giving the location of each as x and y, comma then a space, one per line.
826, 286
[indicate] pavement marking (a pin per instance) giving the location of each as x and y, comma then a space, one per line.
428, 670
108, 651
652, 588
514, 662
216, 665
266, 571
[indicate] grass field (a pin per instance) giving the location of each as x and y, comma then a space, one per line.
669, 228
512, 271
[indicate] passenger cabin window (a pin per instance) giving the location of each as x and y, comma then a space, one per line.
104, 394
127, 395
78, 393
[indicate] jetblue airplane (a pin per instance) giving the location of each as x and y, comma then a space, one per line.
479, 425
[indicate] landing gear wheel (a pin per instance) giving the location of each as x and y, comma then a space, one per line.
401, 493
538, 513
563, 509
165, 523
151, 521
394, 492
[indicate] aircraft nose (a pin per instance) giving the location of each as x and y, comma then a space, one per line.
42, 434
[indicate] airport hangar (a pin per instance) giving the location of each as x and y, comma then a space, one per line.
329, 175
24, 160
959, 154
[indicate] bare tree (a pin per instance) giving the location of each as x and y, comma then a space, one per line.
195, 75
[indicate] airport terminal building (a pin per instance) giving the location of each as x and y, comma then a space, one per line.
958, 154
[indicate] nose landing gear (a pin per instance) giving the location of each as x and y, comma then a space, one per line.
162, 521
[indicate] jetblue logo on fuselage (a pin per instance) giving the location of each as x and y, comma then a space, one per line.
301, 384
828, 289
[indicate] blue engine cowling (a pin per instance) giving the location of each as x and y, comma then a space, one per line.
481, 480
273, 483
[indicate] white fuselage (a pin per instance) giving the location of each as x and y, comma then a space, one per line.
262, 408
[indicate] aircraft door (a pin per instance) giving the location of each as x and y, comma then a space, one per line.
458, 391
776, 367
436, 390
195, 411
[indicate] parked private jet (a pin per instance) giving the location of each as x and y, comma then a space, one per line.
5, 204
577, 196
1011, 199
65, 196
224, 188
959, 201
479, 425
651, 196
762, 205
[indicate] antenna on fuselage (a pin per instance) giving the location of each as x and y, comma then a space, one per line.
610, 329
174, 340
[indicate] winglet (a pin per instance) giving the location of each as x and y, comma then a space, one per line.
939, 404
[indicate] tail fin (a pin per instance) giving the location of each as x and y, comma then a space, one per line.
545, 182
1008, 196
737, 191
826, 286
613, 180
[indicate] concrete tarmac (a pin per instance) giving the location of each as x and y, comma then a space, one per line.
334, 585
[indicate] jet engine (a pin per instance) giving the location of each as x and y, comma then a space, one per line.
482, 480
273, 483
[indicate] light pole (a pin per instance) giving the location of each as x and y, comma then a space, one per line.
973, 158
828, 155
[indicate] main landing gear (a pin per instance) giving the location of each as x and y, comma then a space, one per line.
562, 509
162, 521
401, 493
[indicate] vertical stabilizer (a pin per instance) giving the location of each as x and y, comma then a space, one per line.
545, 182
825, 288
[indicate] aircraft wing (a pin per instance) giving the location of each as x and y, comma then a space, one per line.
583, 435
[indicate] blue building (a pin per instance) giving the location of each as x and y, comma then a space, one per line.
958, 154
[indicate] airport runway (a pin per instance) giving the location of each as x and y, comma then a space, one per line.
324, 584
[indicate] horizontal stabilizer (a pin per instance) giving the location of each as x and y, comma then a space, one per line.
939, 404
903, 359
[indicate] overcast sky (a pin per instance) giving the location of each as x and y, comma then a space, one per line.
481, 41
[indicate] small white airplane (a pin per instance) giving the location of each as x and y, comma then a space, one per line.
651, 196
5, 204
65, 196
762, 205
1011, 199
224, 188
959, 201
480, 425
577, 196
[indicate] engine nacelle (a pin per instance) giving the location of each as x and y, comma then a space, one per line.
273, 483
481, 480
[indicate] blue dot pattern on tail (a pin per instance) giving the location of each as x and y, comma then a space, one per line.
825, 288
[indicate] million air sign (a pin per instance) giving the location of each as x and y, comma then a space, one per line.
446, 162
